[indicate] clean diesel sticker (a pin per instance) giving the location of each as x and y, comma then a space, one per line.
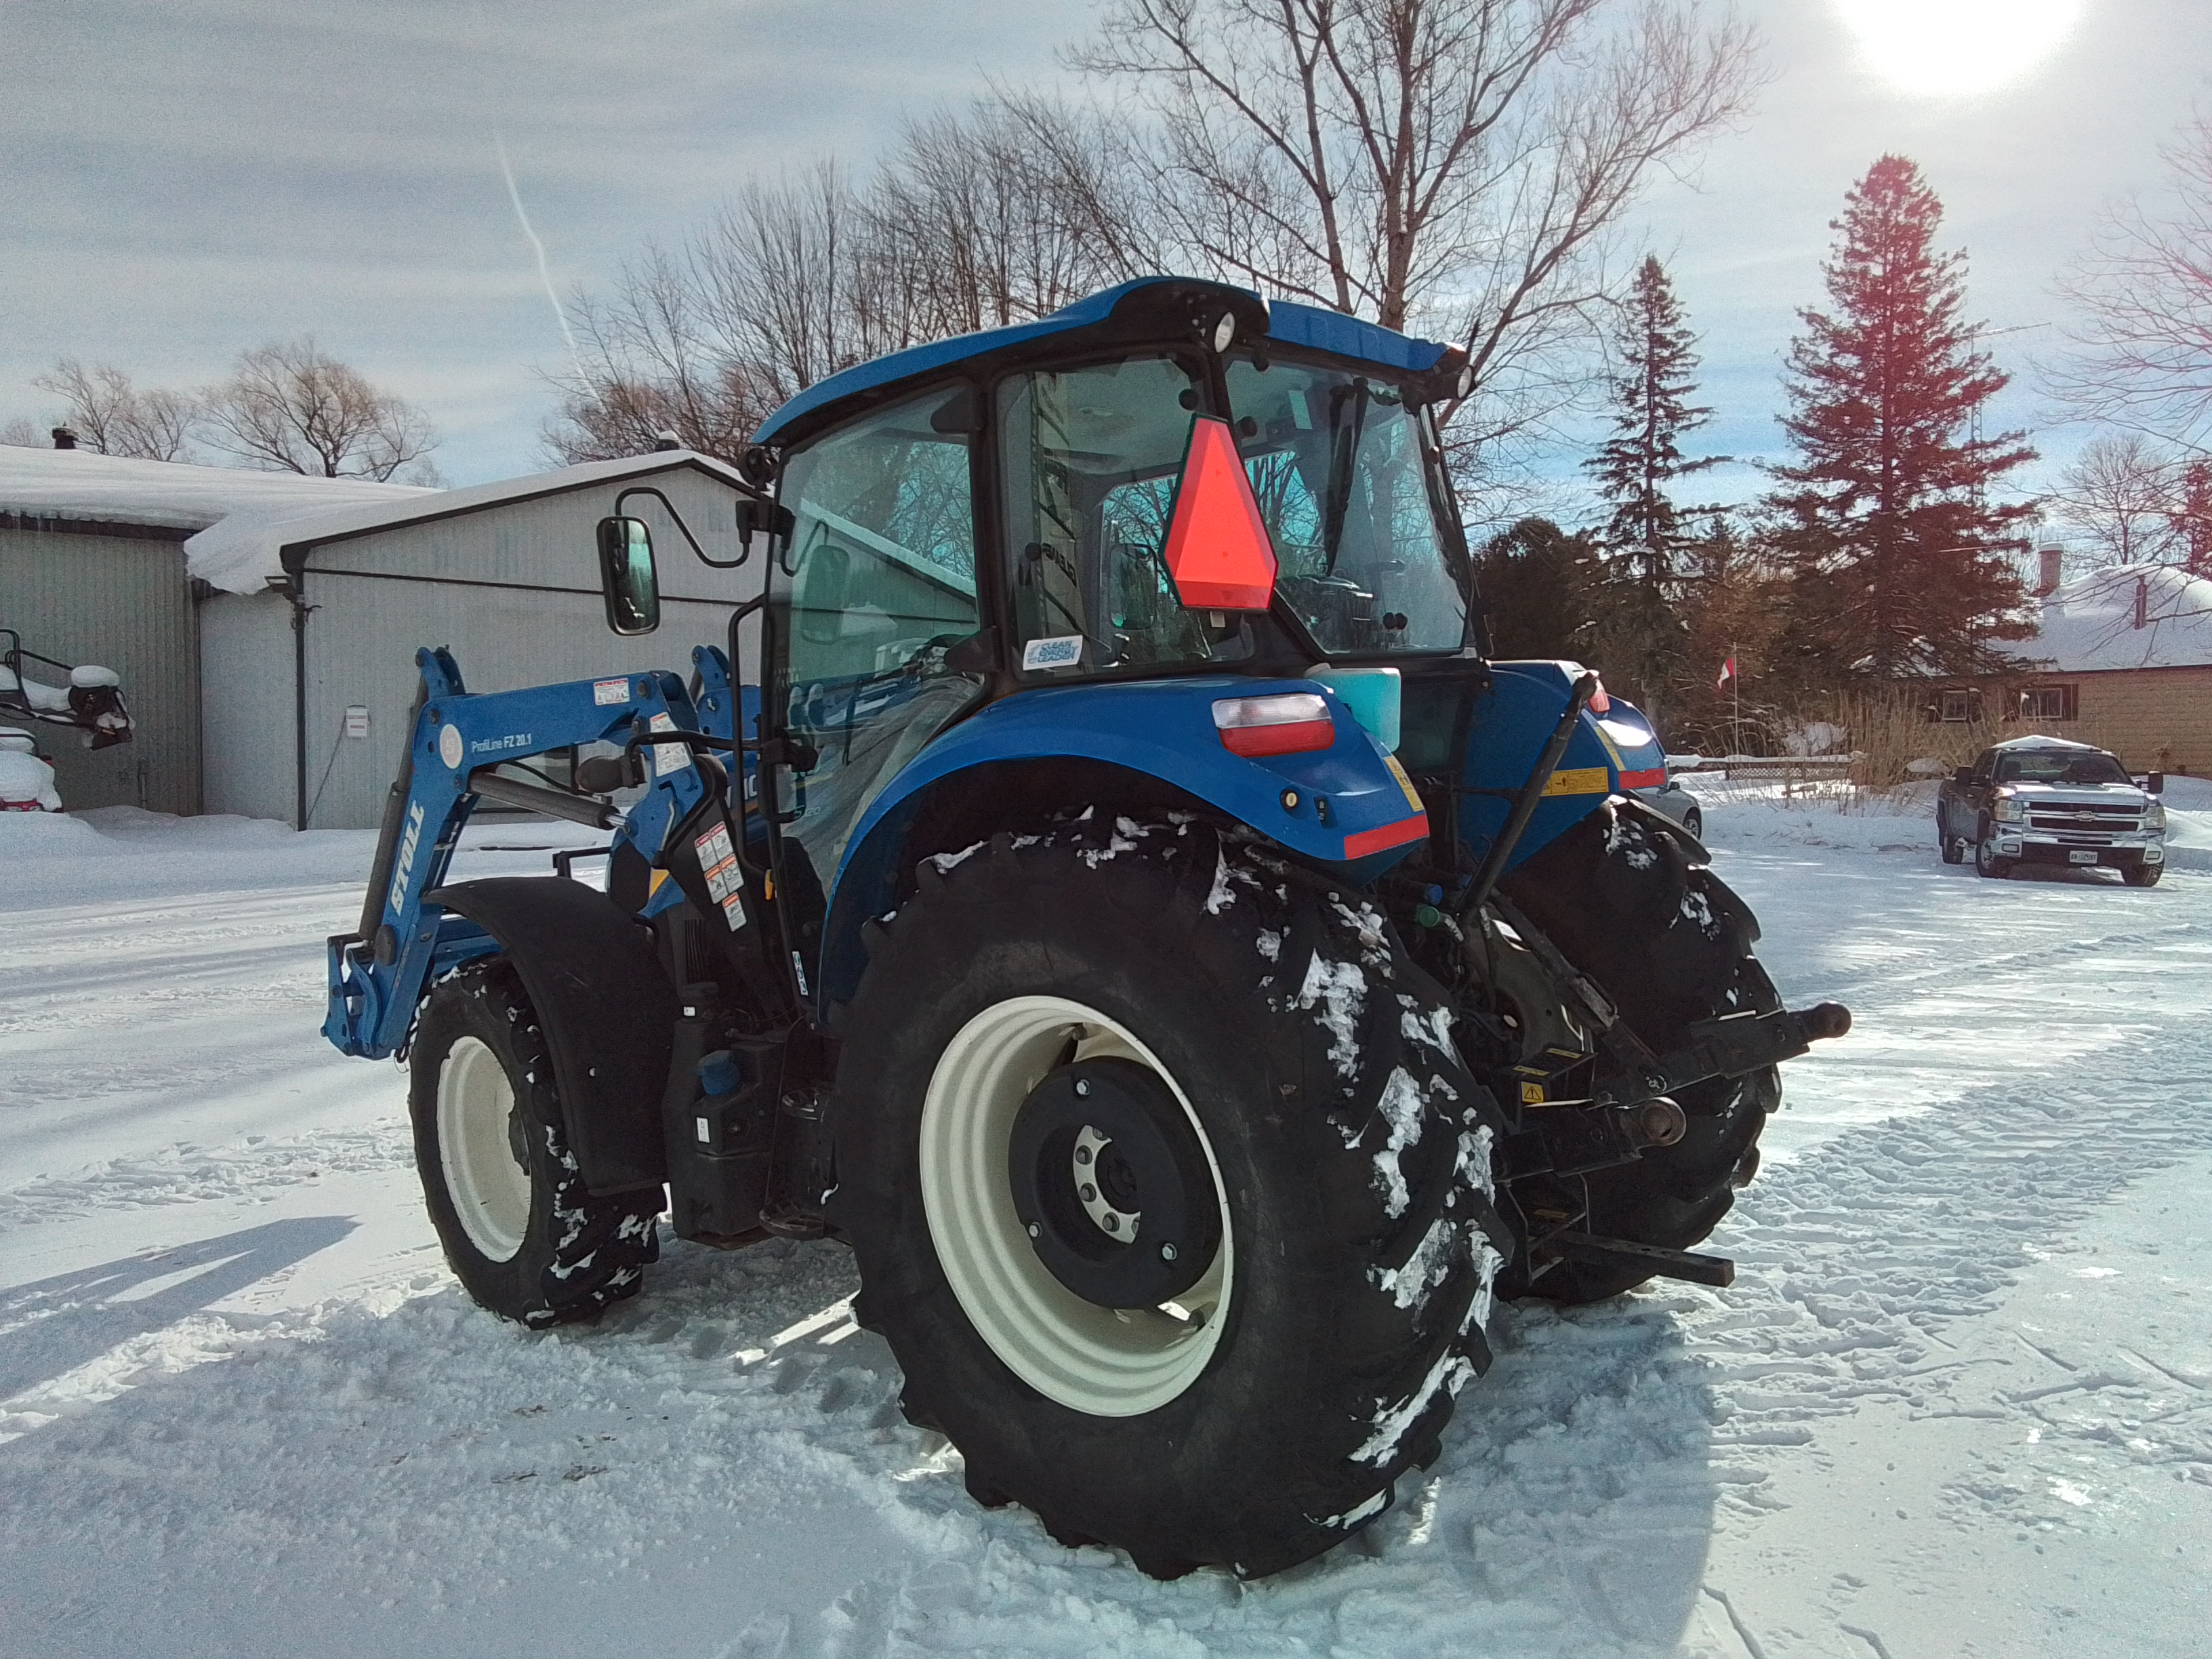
1065, 651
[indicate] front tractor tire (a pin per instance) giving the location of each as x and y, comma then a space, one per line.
1169, 1190
521, 1231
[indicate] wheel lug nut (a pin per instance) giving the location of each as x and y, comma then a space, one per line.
1087, 1192
1167, 1252
1035, 1231
1083, 1085
1083, 1155
1113, 1224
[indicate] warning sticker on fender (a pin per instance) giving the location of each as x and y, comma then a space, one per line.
609, 691
668, 756
717, 861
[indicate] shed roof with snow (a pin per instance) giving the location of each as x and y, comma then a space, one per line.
81, 488
246, 551
2123, 616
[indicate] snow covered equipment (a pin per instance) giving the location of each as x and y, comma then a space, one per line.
1131, 912
89, 698
27, 779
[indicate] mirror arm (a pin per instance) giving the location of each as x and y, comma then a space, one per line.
677, 518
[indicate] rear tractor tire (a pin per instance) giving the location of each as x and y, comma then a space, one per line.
1670, 944
1169, 1190
521, 1231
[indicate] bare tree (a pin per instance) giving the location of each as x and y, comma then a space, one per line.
2125, 496
21, 432
2142, 294
111, 415
290, 408
1444, 164
976, 219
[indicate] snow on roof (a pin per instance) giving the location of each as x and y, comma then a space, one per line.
242, 553
2033, 742
77, 483
2091, 622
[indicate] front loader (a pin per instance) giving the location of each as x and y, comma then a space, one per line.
1131, 912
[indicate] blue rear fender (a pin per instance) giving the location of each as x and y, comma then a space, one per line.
1611, 750
1347, 806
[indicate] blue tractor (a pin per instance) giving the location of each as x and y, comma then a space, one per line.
1102, 879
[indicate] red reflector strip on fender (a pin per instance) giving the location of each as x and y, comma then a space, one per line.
1389, 835
1652, 778
1296, 737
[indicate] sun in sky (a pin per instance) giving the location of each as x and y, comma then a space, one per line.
1934, 47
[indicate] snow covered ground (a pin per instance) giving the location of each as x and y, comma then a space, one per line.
1959, 1402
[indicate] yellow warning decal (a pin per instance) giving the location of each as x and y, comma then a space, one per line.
1532, 1094
1580, 780
658, 876
1413, 796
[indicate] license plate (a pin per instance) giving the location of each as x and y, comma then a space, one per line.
2081, 857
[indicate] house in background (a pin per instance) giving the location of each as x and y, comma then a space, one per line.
264, 625
2121, 657
93, 570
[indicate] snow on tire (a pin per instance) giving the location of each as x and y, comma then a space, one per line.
525, 1236
1284, 1082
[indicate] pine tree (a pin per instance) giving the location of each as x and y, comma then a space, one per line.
1897, 560
1651, 413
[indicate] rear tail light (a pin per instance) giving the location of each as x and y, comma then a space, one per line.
1288, 723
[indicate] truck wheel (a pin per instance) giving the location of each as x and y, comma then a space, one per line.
2142, 875
1986, 861
1953, 848
1168, 1190
1670, 944
522, 1234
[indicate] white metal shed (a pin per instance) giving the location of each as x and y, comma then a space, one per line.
308, 646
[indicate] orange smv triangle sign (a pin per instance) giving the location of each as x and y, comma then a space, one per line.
1219, 554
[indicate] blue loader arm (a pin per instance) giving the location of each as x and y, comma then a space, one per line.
378, 975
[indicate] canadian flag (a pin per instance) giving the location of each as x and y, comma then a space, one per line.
1728, 673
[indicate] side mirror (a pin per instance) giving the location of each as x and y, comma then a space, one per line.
627, 580
2156, 783
1963, 775
757, 517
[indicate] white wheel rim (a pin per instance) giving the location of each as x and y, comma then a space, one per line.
490, 1191
1100, 1361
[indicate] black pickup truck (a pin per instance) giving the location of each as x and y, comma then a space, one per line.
2045, 800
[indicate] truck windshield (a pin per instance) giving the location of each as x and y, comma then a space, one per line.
1346, 476
2060, 766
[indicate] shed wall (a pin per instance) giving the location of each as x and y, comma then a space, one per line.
123, 602
364, 626
245, 697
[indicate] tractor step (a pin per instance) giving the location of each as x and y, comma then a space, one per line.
1714, 1270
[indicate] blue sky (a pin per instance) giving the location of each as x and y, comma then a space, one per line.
180, 180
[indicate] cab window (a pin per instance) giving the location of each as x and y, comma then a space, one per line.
1348, 481
875, 585
1090, 458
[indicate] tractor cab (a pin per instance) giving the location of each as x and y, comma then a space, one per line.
1168, 479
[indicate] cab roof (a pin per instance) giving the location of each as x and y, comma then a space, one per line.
1149, 306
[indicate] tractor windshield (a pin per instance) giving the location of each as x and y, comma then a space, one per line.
1345, 470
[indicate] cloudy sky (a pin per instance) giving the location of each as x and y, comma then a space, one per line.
180, 179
